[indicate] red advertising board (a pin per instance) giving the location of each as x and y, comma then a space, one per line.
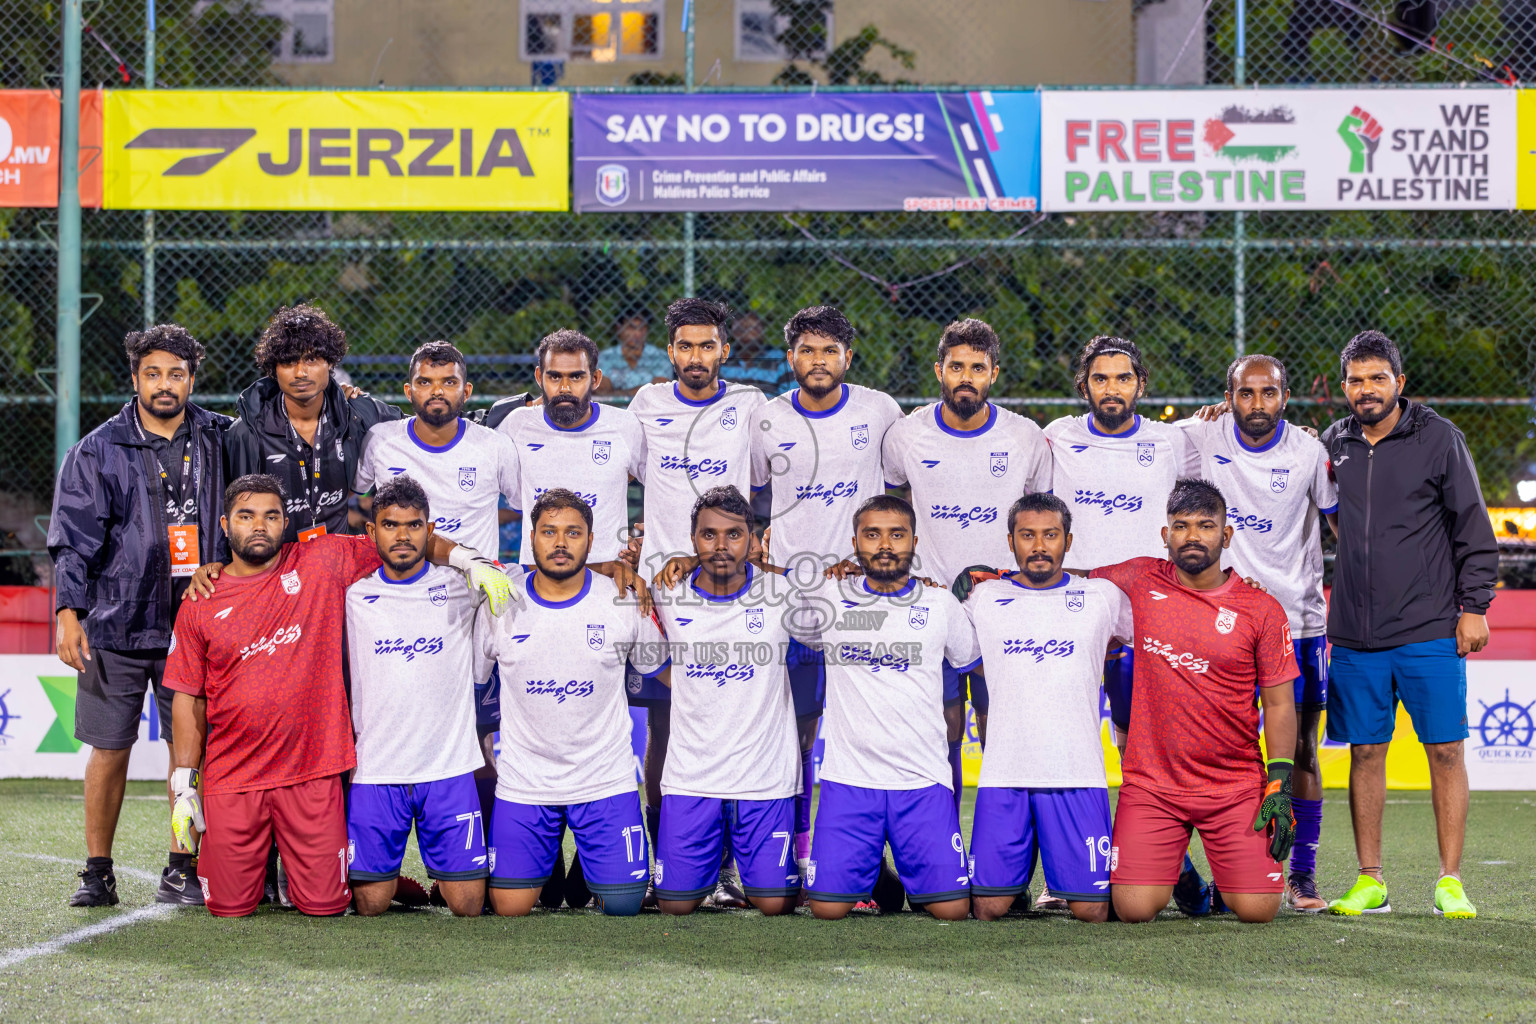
29, 147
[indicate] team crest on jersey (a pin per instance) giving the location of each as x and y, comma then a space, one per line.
728, 419
999, 463
466, 478
755, 620
810, 874
601, 452
1278, 478
917, 616
1075, 600
438, 594
290, 582
595, 637
351, 851
1146, 451
633, 681
1226, 619
860, 436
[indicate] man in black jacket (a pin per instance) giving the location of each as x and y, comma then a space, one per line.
135, 511
297, 424
1416, 567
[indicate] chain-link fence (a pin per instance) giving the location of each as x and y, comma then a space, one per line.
1453, 288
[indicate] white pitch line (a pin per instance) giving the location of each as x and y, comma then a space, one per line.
12, 957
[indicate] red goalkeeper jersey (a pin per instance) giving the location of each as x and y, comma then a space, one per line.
266, 651
1200, 657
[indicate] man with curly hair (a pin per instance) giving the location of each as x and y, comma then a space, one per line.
298, 424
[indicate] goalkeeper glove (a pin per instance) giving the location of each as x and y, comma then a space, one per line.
1275, 812
484, 575
969, 577
187, 813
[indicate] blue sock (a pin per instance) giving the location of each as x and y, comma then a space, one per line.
956, 773
485, 789
1189, 865
1309, 827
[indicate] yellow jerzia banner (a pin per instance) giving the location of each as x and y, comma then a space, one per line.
246, 150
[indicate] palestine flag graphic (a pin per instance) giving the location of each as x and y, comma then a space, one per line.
1263, 135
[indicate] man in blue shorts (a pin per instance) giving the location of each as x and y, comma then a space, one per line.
1413, 578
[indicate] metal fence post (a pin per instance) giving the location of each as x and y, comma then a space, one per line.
1239, 255
67, 337
149, 215
689, 217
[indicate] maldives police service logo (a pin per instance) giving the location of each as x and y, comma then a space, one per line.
999, 463
860, 435
1146, 451
466, 478
1075, 600
728, 419
1226, 619
595, 637
601, 452
755, 620
1278, 478
438, 594
612, 184
917, 616
290, 582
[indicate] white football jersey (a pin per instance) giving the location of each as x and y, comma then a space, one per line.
884, 722
565, 725
1043, 655
1274, 494
595, 460
463, 479
822, 466
733, 720
413, 664
963, 483
1117, 486
690, 447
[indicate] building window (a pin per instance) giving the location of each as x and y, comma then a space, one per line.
601, 31
759, 26
308, 29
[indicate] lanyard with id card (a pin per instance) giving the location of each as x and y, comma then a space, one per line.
181, 536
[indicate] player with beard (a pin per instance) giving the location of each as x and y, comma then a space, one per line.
465, 468
698, 435
1042, 791
1192, 760
966, 459
565, 751
571, 441
890, 783
1277, 476
256, 663
1114, 468
733, 767
820, 446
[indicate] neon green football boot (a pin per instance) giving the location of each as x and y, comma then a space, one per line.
1451, 900
1366, 896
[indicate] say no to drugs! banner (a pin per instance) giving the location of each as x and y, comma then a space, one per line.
1279, 149
242, 150
833, 151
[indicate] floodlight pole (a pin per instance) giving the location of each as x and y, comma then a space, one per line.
66, 427
689, 216
1239, 253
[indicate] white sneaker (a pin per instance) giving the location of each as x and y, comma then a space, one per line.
1046, 902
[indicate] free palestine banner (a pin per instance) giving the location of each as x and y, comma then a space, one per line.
1279, 149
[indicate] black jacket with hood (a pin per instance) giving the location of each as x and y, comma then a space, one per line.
261, 441
1416, 548
108, 534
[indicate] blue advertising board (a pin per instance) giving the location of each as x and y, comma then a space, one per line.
911, 151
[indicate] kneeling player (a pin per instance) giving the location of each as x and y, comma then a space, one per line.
885, 663
410, 644
733, 761
565, 743
1042, 793
1204, 640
